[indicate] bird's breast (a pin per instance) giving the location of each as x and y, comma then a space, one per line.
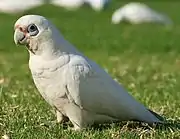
50, 83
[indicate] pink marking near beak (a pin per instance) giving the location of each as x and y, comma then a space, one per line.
22, 29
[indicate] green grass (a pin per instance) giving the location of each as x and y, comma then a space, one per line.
144, 58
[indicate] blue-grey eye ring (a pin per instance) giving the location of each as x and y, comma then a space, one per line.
32, 30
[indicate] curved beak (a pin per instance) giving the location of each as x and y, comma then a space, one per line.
20, 37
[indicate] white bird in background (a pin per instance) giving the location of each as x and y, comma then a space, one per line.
15, 6
136, 13
71, 83
96, 5
68, 4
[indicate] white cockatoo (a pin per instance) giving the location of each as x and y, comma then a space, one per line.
136, 13
71, 83
68, 4
97, 5
16, 6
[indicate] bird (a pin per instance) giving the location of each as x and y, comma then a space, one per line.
68, 4
96, 5
137, 13
74, 85
17, 6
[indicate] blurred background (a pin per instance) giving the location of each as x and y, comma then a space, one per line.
144, 58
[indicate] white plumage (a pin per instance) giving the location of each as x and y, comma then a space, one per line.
96, 5
15, 6
70, 82
68, 4
137, 13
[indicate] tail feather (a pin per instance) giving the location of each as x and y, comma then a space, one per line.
157, 115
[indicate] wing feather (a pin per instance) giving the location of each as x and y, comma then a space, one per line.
94, 90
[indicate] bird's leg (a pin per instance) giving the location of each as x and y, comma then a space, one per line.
61, 118
77, 116
76, 127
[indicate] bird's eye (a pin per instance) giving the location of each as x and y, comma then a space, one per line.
32, 29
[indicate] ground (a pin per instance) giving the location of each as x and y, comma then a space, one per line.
143, 58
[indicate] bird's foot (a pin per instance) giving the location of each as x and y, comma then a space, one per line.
76, 128
49, 123
61, 118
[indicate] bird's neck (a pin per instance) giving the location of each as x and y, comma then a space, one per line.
53, 45
52, 49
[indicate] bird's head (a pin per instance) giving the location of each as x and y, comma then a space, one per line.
31, 31
40, 37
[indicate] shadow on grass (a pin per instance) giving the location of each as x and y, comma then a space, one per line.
172, 125
169, 125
